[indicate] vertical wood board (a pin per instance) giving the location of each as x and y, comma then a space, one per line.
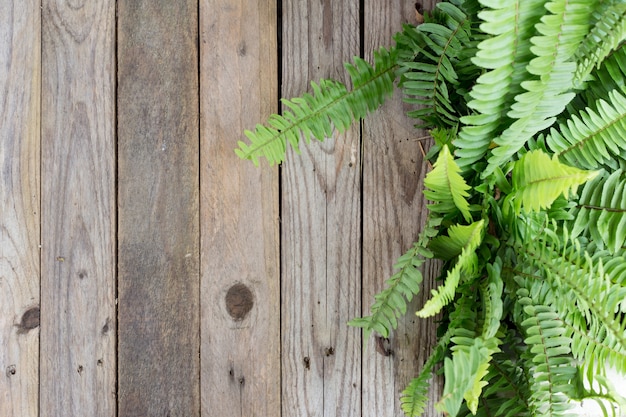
239, 213
158, 205
20, 88
321, 220
78, 211
394, 213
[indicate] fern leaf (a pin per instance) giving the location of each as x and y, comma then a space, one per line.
404, 284
560, 33
593, 138
492, 300
415, 395
601, 211
330, 106
459, 376
607, 34
429, 55
551, 367
591, 299
465, 263
611, 75
446, 187
538, 180
450, 246
511, 24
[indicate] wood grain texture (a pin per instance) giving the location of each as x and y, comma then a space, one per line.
321, 217
240, 255
78, 209
393, 212
20, 88
158, 208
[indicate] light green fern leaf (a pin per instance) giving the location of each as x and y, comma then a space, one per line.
465, 264
511, 24
331, 106
538, 180
459, 375
560, 33
450, 246
446, 187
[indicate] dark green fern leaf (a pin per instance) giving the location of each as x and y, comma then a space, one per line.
593, 138
428, 57
415, 396
600, 212
331, 106
607, 34
550, 366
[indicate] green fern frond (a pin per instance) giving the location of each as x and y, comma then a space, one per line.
450, 246
607, 34
465, 264
446, 187
550, 365
429, 55
493, 307
538, 180
459, 375
611, 75
404, 284
560, 33
511, 24
601, 211
330, 106
415, 396
589, 299
593, 138
505, 394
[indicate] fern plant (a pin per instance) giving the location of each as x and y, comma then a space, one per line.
526, 103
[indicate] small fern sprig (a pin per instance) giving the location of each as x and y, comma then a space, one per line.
331, 106
391, 302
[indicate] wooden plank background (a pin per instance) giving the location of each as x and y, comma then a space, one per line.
144, 269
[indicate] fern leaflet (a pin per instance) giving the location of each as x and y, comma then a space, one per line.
538, 180
330, 106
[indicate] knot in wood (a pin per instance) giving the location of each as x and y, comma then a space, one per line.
239, 301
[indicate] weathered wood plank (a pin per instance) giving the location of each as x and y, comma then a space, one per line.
240, 255
20, 88
78, 209
321, 218
393, 211
158, 208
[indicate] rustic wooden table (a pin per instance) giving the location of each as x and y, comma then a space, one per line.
144, 269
